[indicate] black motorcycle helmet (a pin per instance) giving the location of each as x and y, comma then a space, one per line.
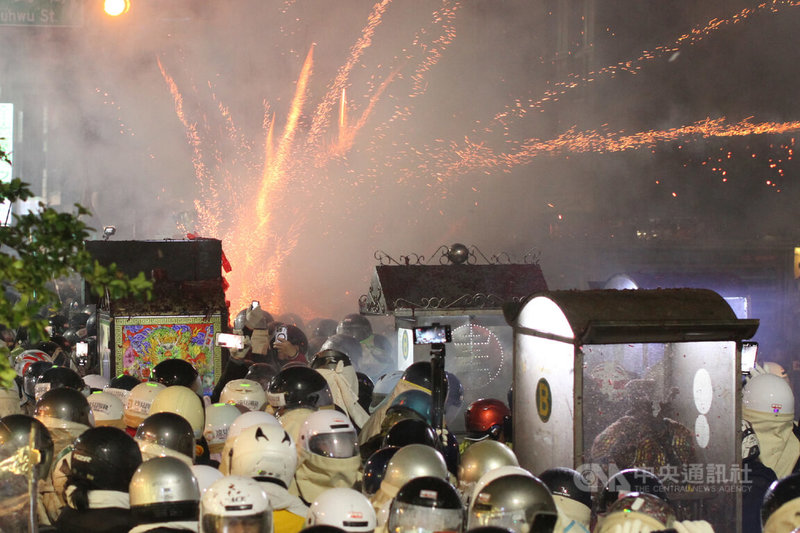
356, 326
169, 430
329, 359
568, 483
91, 326
779, 493
105, 458
65, 404
629, 480
375, 469
325, 328
171, 372
419, 374
15, 431
59, 376
428, 503
410, 431
33, 373
299, 386
72, 338
346, 344
58, 323
262, 373
123, 382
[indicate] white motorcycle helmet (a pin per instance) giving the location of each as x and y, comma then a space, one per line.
329, 433
219, 418
344, 508
242, 422
205, 475
139, 402
95, 381
768, 393
244, 392
235, 503
182, 401
107, 408
264, 452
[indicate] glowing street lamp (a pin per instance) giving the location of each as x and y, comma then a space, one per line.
116, 8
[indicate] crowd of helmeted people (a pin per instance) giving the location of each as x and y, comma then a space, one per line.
320, 434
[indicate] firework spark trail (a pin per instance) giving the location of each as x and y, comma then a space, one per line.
471, 157
321, 120
445, 18
695, 35
206, 209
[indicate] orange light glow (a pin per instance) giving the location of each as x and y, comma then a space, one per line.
116, 8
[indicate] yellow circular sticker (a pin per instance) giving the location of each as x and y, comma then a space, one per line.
544, 400
406, 345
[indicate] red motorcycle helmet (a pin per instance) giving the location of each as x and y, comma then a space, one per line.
487, 417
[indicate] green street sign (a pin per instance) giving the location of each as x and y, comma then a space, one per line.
41, 12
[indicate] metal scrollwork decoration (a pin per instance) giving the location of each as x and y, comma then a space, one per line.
478, 300
456, 254
371, 303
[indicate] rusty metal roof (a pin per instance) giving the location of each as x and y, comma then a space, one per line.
449, 287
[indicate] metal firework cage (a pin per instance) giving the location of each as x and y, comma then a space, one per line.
467, 296
611, 379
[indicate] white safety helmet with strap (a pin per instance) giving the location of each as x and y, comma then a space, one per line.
768, 393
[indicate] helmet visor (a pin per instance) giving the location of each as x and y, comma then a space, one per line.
514, 520
408, 518
335, 445
258, 523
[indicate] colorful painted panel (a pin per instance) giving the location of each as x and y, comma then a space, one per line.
143, 342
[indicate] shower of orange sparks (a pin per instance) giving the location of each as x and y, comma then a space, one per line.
343, 116
471, 156
260, 253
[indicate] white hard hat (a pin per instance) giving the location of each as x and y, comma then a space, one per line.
344, 508
244, 392
768, 393
264, 451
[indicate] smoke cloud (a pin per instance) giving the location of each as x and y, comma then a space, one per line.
482, 122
